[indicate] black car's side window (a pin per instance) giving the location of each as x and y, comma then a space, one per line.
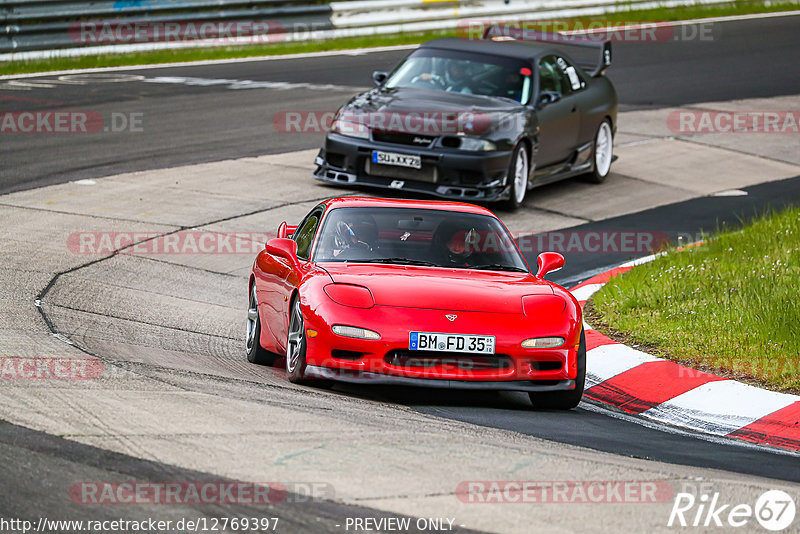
569, 75
304, 235
558, 75
549, 76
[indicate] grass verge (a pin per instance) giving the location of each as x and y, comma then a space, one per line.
730, 306
740, 7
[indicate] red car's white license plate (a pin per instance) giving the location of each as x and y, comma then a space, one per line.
439, 342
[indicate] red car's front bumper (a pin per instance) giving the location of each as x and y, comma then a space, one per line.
388, 360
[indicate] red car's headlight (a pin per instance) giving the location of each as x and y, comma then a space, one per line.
350, 295
542, 305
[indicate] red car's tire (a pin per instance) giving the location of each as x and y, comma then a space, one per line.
255, 352
296, 350
296, 344
564, 400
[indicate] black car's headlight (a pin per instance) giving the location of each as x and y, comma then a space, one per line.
473, 144
350, 128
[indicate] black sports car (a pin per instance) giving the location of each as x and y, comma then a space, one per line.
479, 120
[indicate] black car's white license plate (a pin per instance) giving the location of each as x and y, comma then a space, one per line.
398, 160
439, 342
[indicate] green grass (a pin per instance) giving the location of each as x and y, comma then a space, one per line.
729, 306
740, 7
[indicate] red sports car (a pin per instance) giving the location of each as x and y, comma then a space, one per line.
433, 294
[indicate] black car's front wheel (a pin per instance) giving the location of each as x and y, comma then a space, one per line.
603, 153
518, 171
565, 400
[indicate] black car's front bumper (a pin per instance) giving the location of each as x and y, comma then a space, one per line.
445, 173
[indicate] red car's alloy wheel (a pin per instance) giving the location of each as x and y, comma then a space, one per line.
565, 400
296, 344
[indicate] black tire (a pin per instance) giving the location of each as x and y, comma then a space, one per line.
255, 352
296, 370
517, 194
601, 168
564, 400
296, 348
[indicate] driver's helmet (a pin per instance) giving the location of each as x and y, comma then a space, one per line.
462, 243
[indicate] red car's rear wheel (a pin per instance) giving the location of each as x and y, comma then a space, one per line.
255, 352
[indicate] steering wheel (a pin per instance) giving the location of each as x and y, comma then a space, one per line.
434, 80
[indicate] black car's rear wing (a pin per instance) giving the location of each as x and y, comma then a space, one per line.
595, 67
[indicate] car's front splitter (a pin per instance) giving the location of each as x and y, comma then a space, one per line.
461, 193
364, 377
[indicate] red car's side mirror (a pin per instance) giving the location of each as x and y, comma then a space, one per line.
283, 248
549, 262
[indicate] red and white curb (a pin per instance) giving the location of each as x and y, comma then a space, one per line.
665, 392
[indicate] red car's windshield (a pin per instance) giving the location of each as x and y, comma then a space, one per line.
416, 236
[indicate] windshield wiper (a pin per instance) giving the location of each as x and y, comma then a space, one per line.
401, 261
498, 267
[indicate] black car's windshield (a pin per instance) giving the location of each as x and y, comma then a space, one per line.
417, 236
478, 74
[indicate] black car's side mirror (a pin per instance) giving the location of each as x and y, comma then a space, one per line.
379, 77
547, 97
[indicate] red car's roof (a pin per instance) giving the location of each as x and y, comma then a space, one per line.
340, 202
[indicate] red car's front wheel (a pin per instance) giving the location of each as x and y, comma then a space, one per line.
296, 344
565, 400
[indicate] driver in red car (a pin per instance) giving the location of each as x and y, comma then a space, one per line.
458, 242
355, 238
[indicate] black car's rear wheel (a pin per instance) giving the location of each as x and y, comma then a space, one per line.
602, 153
255, 352
564, 400
518, 171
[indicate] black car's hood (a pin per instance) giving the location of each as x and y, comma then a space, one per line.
427, 103
408, 100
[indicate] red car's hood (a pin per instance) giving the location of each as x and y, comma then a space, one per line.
439, 288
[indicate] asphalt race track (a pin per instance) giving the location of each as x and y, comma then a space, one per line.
206, 113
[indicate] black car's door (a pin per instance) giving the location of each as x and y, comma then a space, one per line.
559, 120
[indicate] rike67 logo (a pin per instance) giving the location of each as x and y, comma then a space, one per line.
774, 510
